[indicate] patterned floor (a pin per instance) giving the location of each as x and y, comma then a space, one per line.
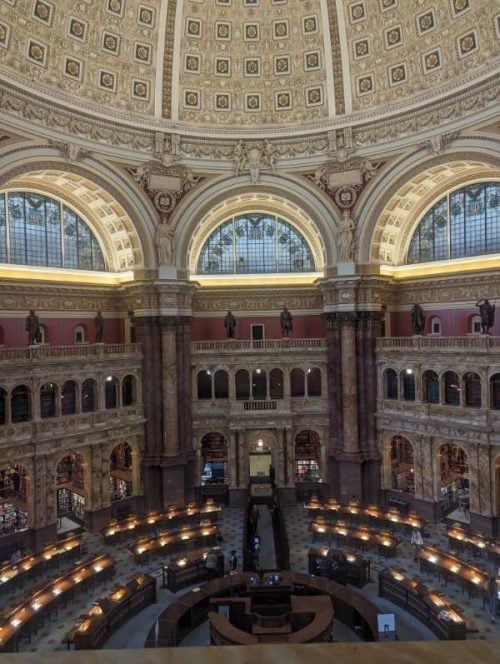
132, 635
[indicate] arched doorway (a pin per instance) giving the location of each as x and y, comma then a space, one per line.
120, 472
70, 488
402, 465
13, 499
454, 481
307, 456
260, 456
214, 467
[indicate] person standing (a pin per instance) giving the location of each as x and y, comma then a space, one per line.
493, 591
416, 540
211, 565
233, 561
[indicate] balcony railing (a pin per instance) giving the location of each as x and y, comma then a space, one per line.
477, 344
34, 354
235, 345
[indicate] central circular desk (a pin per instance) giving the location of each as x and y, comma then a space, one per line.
192, 608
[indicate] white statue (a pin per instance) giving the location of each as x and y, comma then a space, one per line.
240, 157
269, 156
164, 243
254, 163
346, 228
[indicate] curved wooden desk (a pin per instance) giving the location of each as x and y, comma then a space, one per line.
192, 608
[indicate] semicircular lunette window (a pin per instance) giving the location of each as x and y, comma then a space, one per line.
256, 243
465, 222
38, 230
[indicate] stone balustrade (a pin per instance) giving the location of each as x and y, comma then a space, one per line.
481, 343
231, 346
45, 354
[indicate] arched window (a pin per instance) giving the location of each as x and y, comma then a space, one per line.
255, 243
242, 384
402, 465
475, 325
221, 385
465, 222
111, 392
276, 387
3, 405
68, 398
20, 404
42, 231
313, 382
89, 395
259, 384
79, 334
431, 387
128, 391
451, 389
495, 391
408, 383
297, 383
435, 325
48, 393
204, 380
472, 383
391, 384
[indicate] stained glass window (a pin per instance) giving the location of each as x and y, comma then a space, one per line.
465, 222
38, 230
255, 243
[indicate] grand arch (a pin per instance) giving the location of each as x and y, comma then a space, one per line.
410, 187
101, 194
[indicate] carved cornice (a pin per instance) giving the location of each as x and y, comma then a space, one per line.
135, 132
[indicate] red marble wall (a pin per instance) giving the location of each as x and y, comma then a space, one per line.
211, 329
454, 322
59, 331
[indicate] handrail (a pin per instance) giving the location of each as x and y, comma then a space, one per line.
232, 345
36, 353
478, 342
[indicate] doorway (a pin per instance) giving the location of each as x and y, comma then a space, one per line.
257, 334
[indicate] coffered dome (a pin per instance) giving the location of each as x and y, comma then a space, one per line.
246, 63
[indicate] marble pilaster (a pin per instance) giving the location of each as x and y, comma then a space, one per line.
170, 433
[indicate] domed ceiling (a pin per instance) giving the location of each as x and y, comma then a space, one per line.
245, 62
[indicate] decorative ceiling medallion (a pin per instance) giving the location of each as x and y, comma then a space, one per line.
280, 29
146, 16
467, 44
252, 31
222, 101
365, 84
252, 102
397, 74
388, 4
459, 6
281, 65
393, 36
116, 7
77, 28
37, 52
107, 80
223, 30
42, 11
72, 68
357, 12
426, 22
309, 25
361, 49
192, 63
140, 90
193, 28
432, 60
251, 67
4, 35
345, 197
314, 96
283, 100
222, 67
192, 99
312, 60
110, 43
142, 53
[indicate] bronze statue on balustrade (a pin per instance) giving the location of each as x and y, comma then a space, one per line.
230, 325
487, 313
33, 328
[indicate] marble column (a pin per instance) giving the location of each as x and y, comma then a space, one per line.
334, 377
243, 461
232, 456
169, 397
184, 383
349, 385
